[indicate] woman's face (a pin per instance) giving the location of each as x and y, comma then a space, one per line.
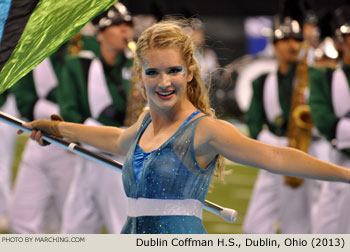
165, 77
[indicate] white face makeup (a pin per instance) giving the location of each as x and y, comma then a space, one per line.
145, 64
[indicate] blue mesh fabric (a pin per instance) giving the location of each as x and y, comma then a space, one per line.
170, 172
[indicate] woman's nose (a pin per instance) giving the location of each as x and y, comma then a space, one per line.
164, 80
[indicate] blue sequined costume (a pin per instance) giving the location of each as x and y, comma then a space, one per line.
167, 174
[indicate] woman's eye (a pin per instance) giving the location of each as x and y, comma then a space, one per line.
174, 70
151, 72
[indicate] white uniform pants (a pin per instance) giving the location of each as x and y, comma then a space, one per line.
334, 205
96, 199
273, 203
42, 184
8, 137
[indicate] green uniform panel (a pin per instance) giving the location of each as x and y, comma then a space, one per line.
320, 101
25, 91
256, 117
73, 91
3, 97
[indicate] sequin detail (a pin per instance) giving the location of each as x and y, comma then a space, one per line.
169, 173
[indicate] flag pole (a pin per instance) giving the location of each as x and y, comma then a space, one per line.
230, 215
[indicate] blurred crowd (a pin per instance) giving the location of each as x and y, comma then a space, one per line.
292, 88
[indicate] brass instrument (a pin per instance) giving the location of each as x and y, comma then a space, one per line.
75, 44
300, 121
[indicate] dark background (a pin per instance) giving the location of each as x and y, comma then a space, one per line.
203, 7
224, 19
219, 7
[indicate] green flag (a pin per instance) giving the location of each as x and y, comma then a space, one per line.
48, 25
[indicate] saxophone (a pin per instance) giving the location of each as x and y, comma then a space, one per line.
75, 44
300, 121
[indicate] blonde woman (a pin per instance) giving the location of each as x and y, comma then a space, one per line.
174, 148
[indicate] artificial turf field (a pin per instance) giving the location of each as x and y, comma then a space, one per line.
234, 193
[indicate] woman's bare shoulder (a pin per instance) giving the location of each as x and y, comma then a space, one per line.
206, 126
212, 128
142, 116
134, 128
129, 134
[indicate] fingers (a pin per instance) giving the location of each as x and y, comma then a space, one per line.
38, 126
37, 135
26, 125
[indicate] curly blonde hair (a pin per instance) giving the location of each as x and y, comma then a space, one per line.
172, 34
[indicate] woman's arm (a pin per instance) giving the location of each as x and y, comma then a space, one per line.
106, 138
226, 140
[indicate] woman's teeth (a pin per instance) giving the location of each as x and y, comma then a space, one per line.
166, 93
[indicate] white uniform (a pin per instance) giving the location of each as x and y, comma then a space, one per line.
44, 173
334, 207
96, 197
332, 215
41, 188
7, 150
275, 207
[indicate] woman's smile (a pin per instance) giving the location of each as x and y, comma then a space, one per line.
165, 77
165, 95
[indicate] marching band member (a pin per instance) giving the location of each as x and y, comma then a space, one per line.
44, 174
330, 108
94, 91
283, 204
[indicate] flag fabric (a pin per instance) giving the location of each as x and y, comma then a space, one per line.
31, 30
